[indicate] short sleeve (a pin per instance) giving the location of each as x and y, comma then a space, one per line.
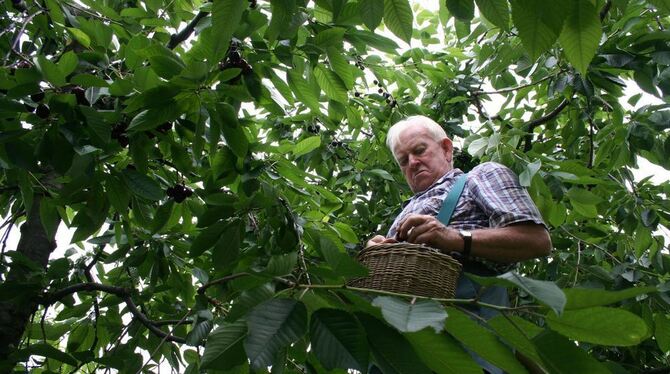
497, 191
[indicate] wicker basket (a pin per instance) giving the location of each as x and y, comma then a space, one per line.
409, 268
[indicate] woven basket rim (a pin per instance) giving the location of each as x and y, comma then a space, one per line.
424, 249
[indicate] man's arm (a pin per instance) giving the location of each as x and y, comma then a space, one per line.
516, 242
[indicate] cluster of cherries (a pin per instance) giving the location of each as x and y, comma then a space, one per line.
389, 99
179, 192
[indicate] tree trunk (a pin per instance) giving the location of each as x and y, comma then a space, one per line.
36, 246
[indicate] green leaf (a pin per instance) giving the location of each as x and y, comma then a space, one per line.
663, 6
441, 353
579, 298
463, 10
224, 349
372, 12
340, 262
516, 332
529, 172
481, 341
398, 18
600, 325
199, 332
50, 71
341, 66
226, 17
46, 350
562, 356
496, 11
282, 264
372, 40
338, 340
539, 24
331, 84
307, 145
227, 248
68, 63
302, 90
581, 33
142, 186
88, 80
166, 66
390, 350
273, 325
248, 299
662, 331
80, 36
411, 317
232, 131
207, 238
545, 292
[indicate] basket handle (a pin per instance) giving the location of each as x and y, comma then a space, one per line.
449, 203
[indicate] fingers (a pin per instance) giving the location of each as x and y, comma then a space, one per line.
420, 229
377, 239
406, 228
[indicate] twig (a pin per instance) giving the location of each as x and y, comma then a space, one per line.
591, 145
147, 323
203, 288
593, 244
510, 89
182, 35
165, 338
170, 322
605, 9
17, 37
473, 301
579, 259
96, 306
531, 125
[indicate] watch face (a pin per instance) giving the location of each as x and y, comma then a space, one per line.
465, 233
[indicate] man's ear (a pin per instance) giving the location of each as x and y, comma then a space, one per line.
448, 147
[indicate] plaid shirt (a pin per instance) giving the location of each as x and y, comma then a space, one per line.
492, 197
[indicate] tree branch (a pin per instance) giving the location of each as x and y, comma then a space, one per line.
531, 125
182, 35
605, 9
121, 292
510, 89
203, 288
146, 322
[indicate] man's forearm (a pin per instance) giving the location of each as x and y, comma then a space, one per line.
510, 244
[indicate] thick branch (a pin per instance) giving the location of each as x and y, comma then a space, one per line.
182, 35
36, 245
531, 125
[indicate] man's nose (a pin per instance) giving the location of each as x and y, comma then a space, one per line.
413, 161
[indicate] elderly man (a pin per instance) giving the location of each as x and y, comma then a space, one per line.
495, 222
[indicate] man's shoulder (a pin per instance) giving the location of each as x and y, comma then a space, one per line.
487, 168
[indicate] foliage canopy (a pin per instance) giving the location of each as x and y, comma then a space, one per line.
223, 160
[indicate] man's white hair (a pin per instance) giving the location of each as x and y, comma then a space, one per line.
434, 129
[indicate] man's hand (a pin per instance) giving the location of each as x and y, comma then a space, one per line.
428, 230
517, 242
378, 239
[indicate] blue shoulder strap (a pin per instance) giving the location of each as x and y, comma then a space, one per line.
449, 203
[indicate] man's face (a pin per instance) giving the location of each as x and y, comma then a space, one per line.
422, 159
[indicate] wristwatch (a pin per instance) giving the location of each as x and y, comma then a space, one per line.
467, 242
